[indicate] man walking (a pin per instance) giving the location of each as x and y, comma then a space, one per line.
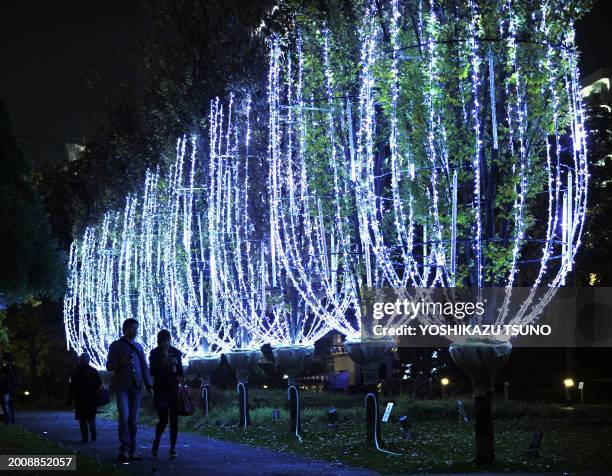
127, 360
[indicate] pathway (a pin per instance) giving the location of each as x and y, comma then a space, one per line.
197, 455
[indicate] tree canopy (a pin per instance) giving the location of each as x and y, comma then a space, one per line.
30, 263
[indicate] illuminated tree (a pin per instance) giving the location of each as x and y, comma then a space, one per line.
461, 162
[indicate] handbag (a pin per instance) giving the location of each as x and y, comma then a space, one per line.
103, 397
185, 406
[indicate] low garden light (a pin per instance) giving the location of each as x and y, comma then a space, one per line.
568, 383
404, 422
332, 418
444, 383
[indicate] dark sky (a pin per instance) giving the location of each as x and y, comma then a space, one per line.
47, 50
594, 38
49, 47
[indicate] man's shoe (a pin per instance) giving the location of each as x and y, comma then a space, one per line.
172, 453
135, 457
123, 458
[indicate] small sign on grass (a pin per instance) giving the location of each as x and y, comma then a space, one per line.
387, 413
462, 413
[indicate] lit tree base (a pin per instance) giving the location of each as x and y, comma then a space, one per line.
369, 353
242, 361
204, 367
481, 358
294, 359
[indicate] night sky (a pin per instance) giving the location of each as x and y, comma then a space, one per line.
49, 49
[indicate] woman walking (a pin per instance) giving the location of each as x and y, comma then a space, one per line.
166, 368
85, 384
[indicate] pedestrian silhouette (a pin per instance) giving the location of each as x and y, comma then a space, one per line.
166, 369
85, 384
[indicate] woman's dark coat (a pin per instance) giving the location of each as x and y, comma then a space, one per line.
165, 373
84, 386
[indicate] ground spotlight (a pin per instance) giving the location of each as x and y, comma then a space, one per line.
332, 418
404, 421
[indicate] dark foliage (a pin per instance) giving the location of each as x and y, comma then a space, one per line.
30, 263
593, 265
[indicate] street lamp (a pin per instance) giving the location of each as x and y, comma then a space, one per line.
444, 383
569, 383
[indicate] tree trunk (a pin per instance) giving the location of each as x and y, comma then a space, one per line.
33, 363
485, 443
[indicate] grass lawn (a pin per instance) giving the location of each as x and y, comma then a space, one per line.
572, 439
18, 441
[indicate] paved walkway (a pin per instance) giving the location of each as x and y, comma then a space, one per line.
197, 455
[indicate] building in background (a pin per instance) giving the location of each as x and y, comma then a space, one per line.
74, 151
596, 87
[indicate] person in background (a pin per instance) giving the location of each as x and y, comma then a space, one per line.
85, 384
127, 361
166, 369
8, 384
